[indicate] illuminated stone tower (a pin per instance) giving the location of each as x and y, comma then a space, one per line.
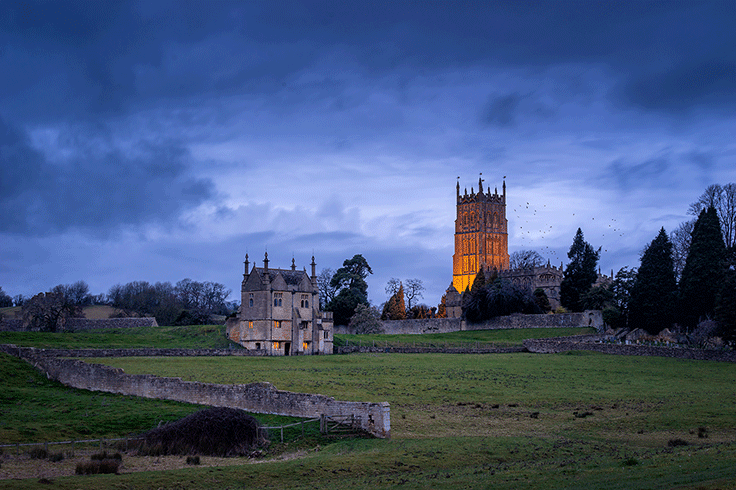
481, 235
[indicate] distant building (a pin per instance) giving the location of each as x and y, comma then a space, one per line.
279, 312
481, 235
482, 242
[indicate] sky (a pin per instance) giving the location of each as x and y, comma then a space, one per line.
157, 141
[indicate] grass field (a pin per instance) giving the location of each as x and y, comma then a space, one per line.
576, 420
188, 337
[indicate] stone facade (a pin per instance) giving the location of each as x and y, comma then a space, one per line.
279, 313
481, 234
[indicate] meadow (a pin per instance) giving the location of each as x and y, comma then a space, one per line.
574, 420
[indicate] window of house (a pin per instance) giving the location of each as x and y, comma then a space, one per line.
277, 323
305, 346
250, 300
250, 324
258, 345
327, 334
278, 299
275, 345
305, 301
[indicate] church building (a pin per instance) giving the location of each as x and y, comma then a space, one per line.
279, 313
481, 234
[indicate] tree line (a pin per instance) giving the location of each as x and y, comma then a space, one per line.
187, 302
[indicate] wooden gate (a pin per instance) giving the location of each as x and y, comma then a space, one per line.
339, 424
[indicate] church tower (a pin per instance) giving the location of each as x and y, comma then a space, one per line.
481, 234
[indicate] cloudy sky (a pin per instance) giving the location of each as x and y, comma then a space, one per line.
161, 140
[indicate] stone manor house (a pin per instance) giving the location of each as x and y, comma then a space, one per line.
482, 242
279, 313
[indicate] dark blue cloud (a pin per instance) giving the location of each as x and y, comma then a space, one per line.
94, 191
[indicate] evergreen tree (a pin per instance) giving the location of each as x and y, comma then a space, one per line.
394, 308
540, 297
442, 307
349, 281
653, 296
726, 300
702, 276
580, 273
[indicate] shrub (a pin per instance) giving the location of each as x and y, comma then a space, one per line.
213, 432
104, 455
193, 460
105, 466
38, 453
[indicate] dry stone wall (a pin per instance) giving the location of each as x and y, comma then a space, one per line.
255, 397
589, 318
551, 346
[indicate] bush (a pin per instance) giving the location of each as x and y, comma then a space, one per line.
193, 460
212, 432
38, 453
105, 466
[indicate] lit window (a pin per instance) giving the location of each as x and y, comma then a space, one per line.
275, 345
277, 323
250, 324
305, 345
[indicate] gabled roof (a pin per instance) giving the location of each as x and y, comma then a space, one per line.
290, 278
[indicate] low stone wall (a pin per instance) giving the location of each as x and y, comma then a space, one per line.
80, 324
374, 418
551, 346
146, 352
354, 349
589, 318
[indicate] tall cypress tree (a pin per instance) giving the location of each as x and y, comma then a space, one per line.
580, 273
702, 276
652, 304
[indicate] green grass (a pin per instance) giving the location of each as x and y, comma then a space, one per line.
188, 337
35, 409
577, 420
504, 337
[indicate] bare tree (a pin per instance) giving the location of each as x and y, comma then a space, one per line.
723, 199
45, 312
392, 286
414, 289
525, 259
327, 292
680, 239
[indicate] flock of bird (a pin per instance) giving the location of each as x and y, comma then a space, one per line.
534, 233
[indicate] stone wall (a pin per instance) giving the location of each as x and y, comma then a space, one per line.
354, 349
590, 318
255, 397
80, 324
551, 346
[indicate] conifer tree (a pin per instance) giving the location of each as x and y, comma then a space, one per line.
726, 300
653, 296
580, 273
702, 276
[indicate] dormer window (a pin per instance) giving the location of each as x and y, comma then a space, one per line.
278, 299
250, 300
305, 301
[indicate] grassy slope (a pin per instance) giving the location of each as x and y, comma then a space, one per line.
190, 337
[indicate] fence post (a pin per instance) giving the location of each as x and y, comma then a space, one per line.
282, 433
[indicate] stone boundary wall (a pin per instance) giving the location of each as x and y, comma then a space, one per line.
354, 349
374, 418
80, 324
588, 318
552, 346
145, 352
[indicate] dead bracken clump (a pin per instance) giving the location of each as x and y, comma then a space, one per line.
209, 432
